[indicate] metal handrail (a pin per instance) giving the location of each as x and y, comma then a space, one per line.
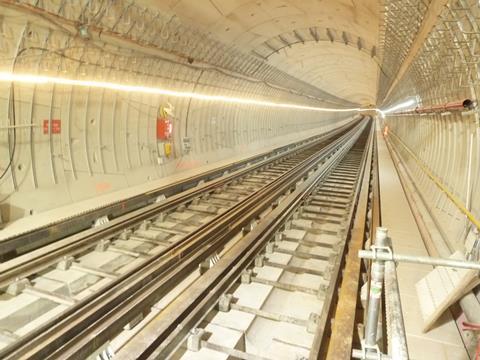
415, 259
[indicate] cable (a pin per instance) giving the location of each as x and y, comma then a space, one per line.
12, 153
12, 103
13, 118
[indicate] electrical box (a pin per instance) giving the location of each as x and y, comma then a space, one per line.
164, 149
168, 149
164, 129
186, 145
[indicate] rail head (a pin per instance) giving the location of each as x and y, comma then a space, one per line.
340, 343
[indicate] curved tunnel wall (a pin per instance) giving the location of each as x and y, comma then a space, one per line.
447, 144
107, 139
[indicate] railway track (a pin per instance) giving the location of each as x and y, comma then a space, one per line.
57, 295
31, 239
272, 294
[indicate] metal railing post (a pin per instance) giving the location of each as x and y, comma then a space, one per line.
375, 296
397, 339
383, 273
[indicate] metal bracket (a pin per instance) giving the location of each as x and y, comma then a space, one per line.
375, 249
194, 341
474, 251
374, 348
101, 221
160, 198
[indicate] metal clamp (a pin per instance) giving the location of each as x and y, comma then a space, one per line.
375, 350
376, 248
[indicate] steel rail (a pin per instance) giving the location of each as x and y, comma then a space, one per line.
72, 334
115, 321
33, 239
179, 318
375, 222
343, 329
37, 260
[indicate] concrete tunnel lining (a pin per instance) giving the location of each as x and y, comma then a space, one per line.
65, 149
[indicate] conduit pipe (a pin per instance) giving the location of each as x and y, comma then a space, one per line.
376, 286
460, 105
416, 259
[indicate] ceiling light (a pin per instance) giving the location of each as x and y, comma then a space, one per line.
37, 79
405, 104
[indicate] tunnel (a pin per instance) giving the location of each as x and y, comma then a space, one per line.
239, 179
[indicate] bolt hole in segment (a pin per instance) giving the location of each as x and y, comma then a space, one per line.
128, 264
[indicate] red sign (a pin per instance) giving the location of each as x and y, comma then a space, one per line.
164, 129
56, 126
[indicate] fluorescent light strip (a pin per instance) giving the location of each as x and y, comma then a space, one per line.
36, 79
400, 106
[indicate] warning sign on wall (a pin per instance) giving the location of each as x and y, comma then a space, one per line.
56, 126
164, 129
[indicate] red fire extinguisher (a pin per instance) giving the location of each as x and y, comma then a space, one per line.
164, 125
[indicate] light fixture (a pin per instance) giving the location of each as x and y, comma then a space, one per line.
37, 79
402, 105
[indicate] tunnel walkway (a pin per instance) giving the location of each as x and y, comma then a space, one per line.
444, 340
